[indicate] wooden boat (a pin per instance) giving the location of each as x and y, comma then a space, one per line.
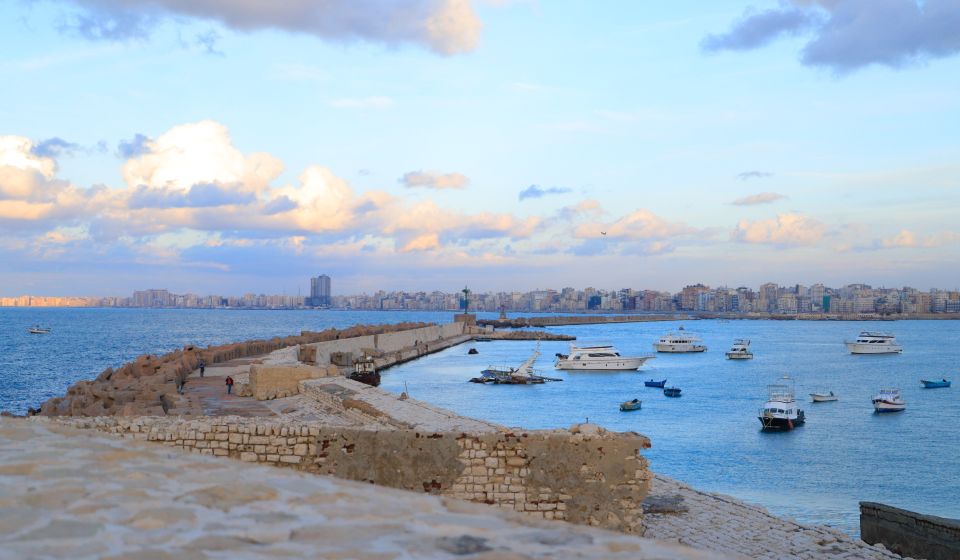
823, 397
659, 384
671, 391
365, 371
935, 384
630, 405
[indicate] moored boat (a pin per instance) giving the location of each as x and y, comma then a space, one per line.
888, 400
874, 343
602, 357
823, 397
365, 371
936, 384
679, 342
37, 329
631, 405
522, 375
671, 391
781, 412
659, 384
740, 350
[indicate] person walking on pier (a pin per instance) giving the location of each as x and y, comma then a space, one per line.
202, 367
229, 383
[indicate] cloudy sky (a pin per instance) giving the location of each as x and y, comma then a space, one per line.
232, 147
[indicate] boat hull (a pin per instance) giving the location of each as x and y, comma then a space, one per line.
776, 423
822, 398
739, 356
657, 384
935, 384
628, 406
671, 392
886, 406
618, 364
860, 348
679, 348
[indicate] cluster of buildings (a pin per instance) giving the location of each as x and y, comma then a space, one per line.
769, 298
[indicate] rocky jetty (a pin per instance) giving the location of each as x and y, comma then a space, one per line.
148, 385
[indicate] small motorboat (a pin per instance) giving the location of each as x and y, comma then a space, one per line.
888, 400
740, 350
630, 405
935, 384
472, 351
658, 384
365, 371
823, 397
671, 391
37, 329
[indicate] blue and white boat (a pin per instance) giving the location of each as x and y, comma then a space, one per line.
935, 384
889, 400
659, 384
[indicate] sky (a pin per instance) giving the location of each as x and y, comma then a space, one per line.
231, 147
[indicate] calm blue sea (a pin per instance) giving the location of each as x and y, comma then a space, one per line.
710, 437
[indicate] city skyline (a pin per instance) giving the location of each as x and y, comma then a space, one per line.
505, 144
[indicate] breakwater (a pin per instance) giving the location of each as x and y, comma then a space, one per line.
560, 320
909, 533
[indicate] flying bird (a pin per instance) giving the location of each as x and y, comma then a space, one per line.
603, 233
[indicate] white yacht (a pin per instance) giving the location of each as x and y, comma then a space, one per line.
874, 343
740, 350
781, 411
888, 400
679, 342
599, 357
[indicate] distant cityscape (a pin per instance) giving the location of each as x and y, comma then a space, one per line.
769, 298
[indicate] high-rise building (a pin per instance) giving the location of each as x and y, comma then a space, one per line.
320, 291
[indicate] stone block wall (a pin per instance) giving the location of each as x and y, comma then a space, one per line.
585, 476
908, 533
382, 343
274, 382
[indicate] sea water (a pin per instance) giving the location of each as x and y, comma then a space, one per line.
710, 437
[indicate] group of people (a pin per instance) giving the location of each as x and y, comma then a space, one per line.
181, 381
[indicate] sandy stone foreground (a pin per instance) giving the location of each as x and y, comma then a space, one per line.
67, 493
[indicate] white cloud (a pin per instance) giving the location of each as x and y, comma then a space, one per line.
434, 180
639, 224
784, 230
759, 198
444, 26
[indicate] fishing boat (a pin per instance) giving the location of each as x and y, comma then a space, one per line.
521, 375
781, 412
659, 384
37, 329
875, 343
630, 405
888, 400
943, 383
679, 342
365, 371
671, 391
740, 350
823, 397
601, 357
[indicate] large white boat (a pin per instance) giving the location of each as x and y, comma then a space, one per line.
740, 350
679, 342
599, 357
781, 411
874, 343
888, 400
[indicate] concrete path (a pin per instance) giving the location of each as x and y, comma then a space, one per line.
209, 394
74, 494
675, 511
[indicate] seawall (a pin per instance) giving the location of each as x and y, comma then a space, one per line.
909, 533
586, 476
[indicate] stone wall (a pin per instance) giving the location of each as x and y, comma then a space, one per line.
380, 344
278, 381
908, 533
586, 475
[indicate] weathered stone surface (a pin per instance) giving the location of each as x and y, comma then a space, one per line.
218, 508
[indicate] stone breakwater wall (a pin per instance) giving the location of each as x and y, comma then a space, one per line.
146, 386
553, 321
909, 533
586, 475
385, 345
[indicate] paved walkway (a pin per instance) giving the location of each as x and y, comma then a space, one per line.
675, 511
74, 494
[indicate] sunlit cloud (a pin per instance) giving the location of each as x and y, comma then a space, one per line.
759, 198
784, 230
434, 180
